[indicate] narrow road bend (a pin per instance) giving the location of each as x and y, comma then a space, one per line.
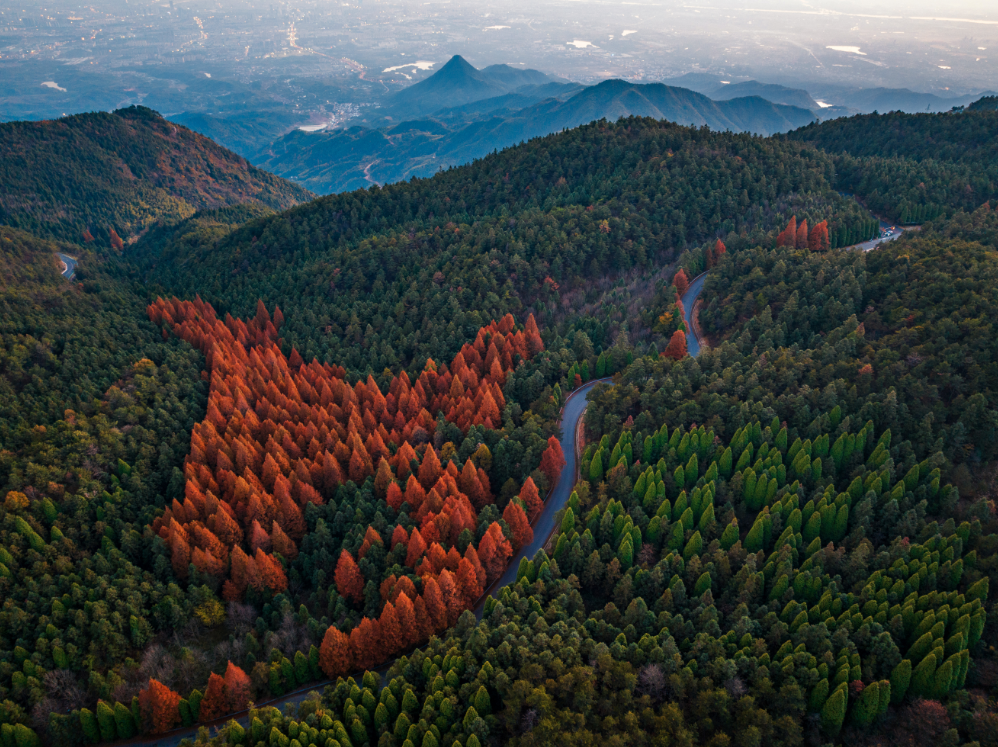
693, 342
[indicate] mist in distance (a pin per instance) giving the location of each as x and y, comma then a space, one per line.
249, 73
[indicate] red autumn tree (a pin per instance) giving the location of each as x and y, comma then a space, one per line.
676, 349
282, 543
552, 461
408, 629
392, 640
116, 242
349, 581
533, 335
788, 236
358, 470
450, 595
371, 537
801, 241
429, 469
467, 582
516, 520
417, 546
414, 494
494, 551
719, 250
270, 572
237, 687
259, 539
817, 240
383, 478
215, 702
365, 641
435, 607
681, 282
160, 707
335, 655
531, 498
399, 535
394, 496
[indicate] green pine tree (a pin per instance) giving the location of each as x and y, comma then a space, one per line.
105, 720
923, 678
702, 585
730, 535
596, 467
867, 706
693, 547
833, 713
89, 726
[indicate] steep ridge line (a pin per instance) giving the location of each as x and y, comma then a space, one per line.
543, 526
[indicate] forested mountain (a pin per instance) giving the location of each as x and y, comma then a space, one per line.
390, 276
93, 177
254, 452
348, 159
913, 167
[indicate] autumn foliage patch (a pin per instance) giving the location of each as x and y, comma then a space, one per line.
280, 433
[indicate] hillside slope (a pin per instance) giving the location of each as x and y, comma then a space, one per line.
121, 171
355, 272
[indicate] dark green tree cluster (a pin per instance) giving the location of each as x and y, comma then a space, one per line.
913, 167
904, 334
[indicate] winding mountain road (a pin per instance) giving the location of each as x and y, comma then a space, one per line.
543, 526
69, 263
693, 342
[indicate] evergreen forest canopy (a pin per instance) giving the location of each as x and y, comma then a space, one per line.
250, 453
104, 177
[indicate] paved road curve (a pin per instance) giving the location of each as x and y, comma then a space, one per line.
543, 526
693, 342
70, 263
689, 298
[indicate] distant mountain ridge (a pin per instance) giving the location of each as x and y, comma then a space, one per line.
458, 83
769, 91
348, 159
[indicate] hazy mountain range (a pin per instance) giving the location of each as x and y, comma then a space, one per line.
467, 113
461, 113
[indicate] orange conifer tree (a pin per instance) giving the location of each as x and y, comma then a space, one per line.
215, 702
531, 498
676, 349
349, 581
335, 654
517, 521
681, 282
159, 706
552, 461
237, 687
